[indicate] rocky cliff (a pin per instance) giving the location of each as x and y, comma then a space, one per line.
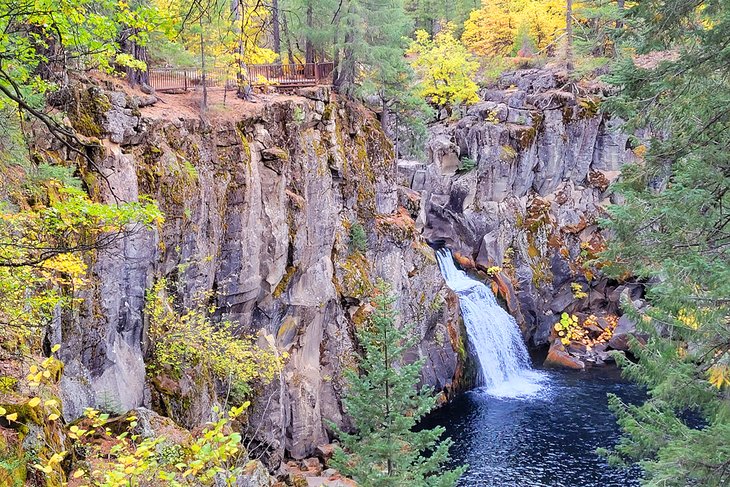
260, 204
517, 186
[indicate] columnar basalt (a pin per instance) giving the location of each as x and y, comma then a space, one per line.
519, 184
259, 205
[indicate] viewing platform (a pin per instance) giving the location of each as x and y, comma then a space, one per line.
280, 76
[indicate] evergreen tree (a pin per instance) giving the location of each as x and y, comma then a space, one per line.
674, 232
385, 407
371, 64
309, 28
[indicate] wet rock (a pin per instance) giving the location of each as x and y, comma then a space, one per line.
558, 357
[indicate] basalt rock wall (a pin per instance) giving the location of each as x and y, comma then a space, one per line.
259, 206
516, 187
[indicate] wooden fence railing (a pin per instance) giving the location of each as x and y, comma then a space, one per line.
279, 75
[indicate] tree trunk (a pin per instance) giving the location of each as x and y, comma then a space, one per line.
569, 35
289, 50
204, 104
308, 47
385, 118
621, 5
275, 27
344, 75
135, 77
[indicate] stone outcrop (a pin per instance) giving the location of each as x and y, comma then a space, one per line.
259, 207
519, 183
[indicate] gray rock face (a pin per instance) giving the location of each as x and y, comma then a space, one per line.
544, 160
258, 210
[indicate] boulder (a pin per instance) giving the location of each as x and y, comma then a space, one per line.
624, 329
559, 358
254, 474
312, 466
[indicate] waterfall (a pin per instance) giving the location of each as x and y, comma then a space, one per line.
493, 334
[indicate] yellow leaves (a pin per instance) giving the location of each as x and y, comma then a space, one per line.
498, 28
12, 417
34, 402
33, 293
237, 411
577, 290
69, 264
688, 318
75, 432
489, 31
53, 417
47, 469
719, 375
445, 68
183, 339
78, 473
57, 458
591, 332
3, 411
56, 348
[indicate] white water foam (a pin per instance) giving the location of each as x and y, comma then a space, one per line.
494, 336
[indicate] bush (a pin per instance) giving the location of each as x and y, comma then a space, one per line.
358, 238
191, 339
466, 164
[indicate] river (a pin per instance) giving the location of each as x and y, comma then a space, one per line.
546, 439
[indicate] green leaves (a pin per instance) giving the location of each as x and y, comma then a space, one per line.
673, 231
43, 253
385, 406
191, 339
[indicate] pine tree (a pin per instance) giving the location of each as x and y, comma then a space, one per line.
674, 232
385, 406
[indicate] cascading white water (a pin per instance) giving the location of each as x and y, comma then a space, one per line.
493, 334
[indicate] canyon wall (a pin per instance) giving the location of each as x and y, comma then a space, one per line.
516, 187
259, 202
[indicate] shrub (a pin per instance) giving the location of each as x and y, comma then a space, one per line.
466, 164
190, 339
358, 238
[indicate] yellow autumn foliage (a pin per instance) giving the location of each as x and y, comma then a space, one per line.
445, 68
494, 29
719, 375
189, 339
688, 318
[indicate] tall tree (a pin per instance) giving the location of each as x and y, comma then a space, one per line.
674, 232
276, 27
310, 27
446, 69
385, 407
569, 35
43, 41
